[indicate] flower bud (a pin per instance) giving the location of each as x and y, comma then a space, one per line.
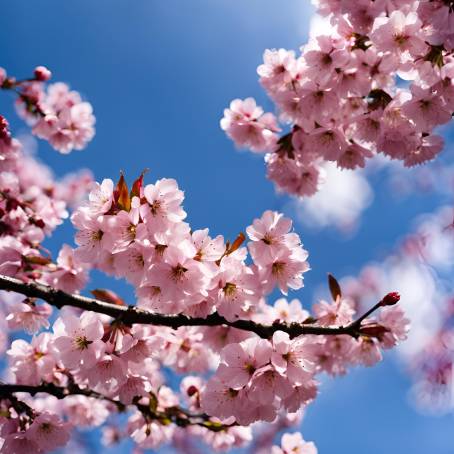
192, 390
2, 76
42, 74
390, 299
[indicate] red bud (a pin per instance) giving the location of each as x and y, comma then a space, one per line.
192, 390
390, 299
42, 74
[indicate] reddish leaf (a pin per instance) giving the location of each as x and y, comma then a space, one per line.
108, 296
334, 287
137, 185
121, 194
37, 260
374, 330
237, 243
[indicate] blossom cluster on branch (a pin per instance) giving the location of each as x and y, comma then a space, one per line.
342, 98
56, 114
201, 306
95, 362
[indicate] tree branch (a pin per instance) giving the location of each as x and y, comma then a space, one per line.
134, 315
176, 415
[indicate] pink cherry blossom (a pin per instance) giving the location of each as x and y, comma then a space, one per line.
77, 341
29, 316
294, 443
248, 126
240, 361
49, 432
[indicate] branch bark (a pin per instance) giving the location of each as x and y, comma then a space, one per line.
177, 415
130, 315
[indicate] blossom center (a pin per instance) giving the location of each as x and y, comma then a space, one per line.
155, 207
82, 342
97, 235
177, 273
46, 427
278, 268
229, 289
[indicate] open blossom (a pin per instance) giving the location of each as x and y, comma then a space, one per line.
86, 411
337, 313
279, 67
269, 235
90, 238
148, 435
236, 289
48, 432
29, 316
426, 109
178, 276
32, 362
286, 271
107, 374
223, 401
208, 249
71, 274
429, 148
68, 122
287, 312
294, 444
101, 197
248, 126
164, 204
184, 350
399, 33
277, 252
267, 384
19, 442
393, 318
77, 341
293, 358
366, 351
240, 361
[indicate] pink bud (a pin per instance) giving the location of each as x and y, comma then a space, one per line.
192, 390
4, 128
390, 299
2, 76
42, 74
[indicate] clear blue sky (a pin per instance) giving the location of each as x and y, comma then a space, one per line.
159, 73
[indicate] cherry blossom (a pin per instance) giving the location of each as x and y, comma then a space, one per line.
339, 97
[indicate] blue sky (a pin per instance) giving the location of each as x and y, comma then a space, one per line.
159, 74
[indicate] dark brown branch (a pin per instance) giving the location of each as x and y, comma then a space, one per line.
133, 315
176, 415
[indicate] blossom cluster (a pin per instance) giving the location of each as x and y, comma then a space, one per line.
57, 114
342, 98
140, 235
32, 206
257, 378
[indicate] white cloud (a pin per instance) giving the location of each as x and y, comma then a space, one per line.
340, 202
